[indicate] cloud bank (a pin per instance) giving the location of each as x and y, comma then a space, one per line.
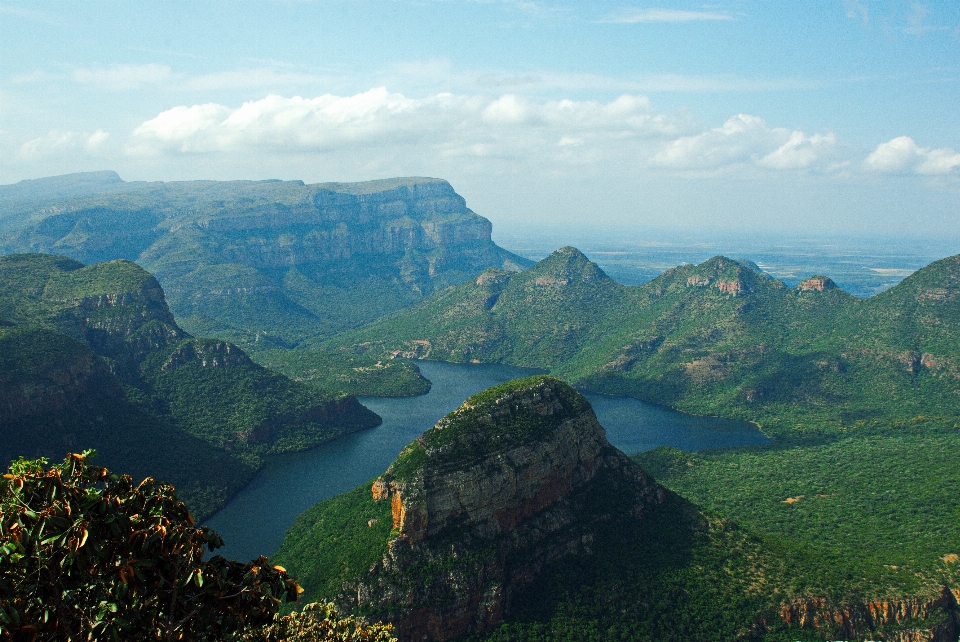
627, 131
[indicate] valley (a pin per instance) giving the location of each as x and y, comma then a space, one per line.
516, 514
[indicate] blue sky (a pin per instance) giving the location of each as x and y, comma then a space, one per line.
838, 116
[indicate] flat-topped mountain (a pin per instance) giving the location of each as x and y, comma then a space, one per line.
516, 478
266, 263
92, 358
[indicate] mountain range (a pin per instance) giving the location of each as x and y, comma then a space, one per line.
719, 338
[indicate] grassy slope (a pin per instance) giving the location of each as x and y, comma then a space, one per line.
334, 541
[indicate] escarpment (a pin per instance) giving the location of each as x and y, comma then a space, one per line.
518, 476
910, 619
240, 259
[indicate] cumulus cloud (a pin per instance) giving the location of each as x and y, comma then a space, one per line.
377, 117
123, 77
666, 15
902, 155
56, 142
627, 133
746, 139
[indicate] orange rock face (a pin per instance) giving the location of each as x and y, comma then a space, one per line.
816, 284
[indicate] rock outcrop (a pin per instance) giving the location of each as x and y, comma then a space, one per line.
817, 283
934, 619
482, 501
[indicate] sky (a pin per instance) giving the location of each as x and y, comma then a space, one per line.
827, 117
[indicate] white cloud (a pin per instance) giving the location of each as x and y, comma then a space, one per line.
58, 143
381, 118
627, 132
746, 139
800, 151
666, 15
123, 77
902, 155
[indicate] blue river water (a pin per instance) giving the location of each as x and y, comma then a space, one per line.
254, 521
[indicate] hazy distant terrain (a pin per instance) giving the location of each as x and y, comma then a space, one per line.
862, 265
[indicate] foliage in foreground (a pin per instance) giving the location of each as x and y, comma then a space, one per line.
87, 554
321, 621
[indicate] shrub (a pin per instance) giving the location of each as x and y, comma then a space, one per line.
86, 554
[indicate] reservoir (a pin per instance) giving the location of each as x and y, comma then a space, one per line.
254, 521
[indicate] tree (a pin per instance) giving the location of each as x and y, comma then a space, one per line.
87, 555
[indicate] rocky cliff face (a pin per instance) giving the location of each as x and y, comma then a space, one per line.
497, 489
933, 619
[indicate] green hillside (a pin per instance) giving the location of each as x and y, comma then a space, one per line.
719, 338
92, 358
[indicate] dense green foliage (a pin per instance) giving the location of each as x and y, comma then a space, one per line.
86, 554
335, 541
875, 514
347, 373
91, 357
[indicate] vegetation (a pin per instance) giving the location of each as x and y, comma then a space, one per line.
91, 357
346, 372
873, 514
321, 621
335, 541
87, 553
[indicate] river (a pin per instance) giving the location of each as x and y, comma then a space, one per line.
254, 521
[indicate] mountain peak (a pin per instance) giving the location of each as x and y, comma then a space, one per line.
565, 266
505, 416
